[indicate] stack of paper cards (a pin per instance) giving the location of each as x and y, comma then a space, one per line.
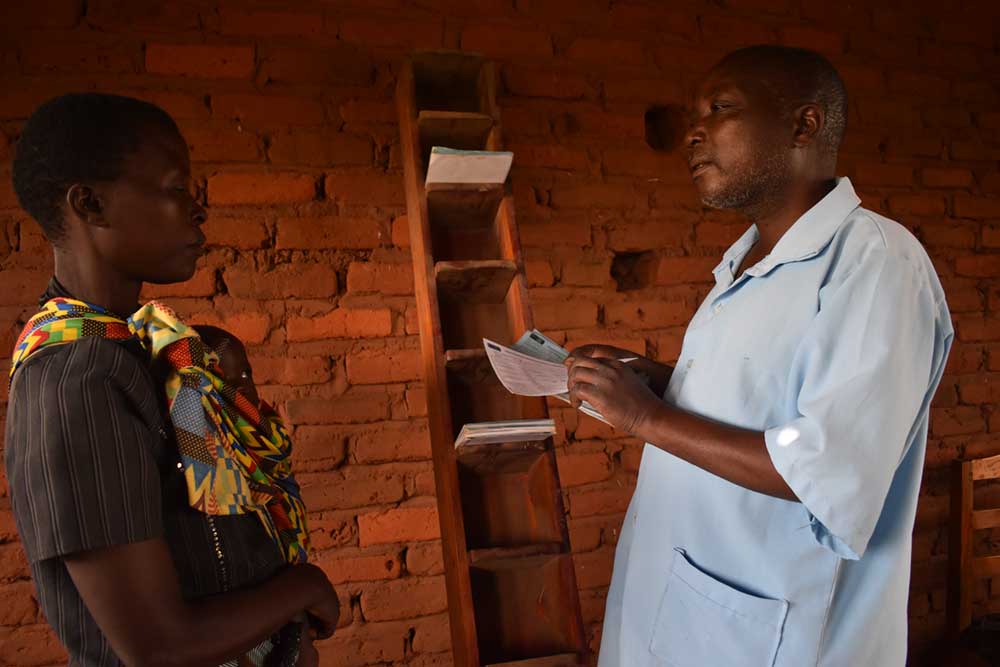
447, 165
520, 430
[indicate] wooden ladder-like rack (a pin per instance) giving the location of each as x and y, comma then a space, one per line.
512, 596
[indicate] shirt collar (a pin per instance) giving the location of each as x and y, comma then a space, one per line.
804, 239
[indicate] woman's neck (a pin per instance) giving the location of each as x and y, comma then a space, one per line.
96, 285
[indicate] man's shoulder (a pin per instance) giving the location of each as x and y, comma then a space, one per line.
868, 236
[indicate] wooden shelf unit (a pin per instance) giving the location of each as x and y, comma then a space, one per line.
512, 595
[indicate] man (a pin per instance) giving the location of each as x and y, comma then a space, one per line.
129, 568
772, 517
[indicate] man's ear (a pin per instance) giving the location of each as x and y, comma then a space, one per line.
85, 203
809, 121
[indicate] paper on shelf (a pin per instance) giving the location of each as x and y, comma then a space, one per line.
448, 165
521, 430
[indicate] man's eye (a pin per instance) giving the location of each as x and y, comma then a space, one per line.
716, 107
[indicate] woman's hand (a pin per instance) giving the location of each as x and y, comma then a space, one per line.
613, 388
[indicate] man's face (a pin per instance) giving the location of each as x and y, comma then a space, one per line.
738, 143
152, 221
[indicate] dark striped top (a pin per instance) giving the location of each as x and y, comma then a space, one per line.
91, 464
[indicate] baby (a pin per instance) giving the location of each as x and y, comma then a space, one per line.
237, 372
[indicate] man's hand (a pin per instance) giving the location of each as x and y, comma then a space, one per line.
614, 389
656, 375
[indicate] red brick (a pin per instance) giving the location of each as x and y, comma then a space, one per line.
949, 117
42, 14
200, 60
20, 606
978, 266
135, 16
976, 207
646, 91
432, 634
539, 273
328, 232
946, 177
653, 314
340, 569
401, 232
416, 402
336, 65
735, 31
577, 469
31, 646
979, 389
233, 21
593, 569
678, 270
391, 441
576, 233
917, 83
268, 109
406, 598
250, 327
242, 233
22, 287
383, 366
991, 237
365, 187
221, 142
13, 563
358, 486
340, 323
595, 196
425, 558
286, 281
404, 524
384, 277
558, 315
978, 328
829, 42
405, 34
959, 420
964, 359
229, 188
365, 644
329, 530
292, 371
319, 148
586, 271
605, 52
367, 112
357, 406
319, 443
884, 174
504, 43
948, 236
663, 233
546, 82
550, 157
921, 204
48, 58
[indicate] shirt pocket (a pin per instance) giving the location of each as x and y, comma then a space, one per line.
703, 622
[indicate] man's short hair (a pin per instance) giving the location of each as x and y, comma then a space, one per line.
77, 138
797, 76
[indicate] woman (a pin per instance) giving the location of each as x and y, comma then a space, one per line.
138, 555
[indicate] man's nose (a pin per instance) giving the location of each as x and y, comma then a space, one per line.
695, 134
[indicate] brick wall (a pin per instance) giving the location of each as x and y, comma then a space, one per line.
288, 108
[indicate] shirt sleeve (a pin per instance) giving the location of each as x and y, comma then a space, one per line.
864, 372
80, 451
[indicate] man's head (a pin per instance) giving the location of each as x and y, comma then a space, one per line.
765, 118
108, 178
233, 360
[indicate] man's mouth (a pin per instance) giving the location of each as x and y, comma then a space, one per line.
698, 167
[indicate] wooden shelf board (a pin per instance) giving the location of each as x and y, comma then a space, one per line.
506, 553
475, 281
561, 660
463, 205
453, 129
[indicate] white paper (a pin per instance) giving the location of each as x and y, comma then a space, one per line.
447, 165
523, 374
481, 433
537, 344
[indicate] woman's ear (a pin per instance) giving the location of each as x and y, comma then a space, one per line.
84, 202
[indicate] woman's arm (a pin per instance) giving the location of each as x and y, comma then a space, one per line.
132, 592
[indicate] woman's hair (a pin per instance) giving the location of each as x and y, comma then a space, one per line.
77, 138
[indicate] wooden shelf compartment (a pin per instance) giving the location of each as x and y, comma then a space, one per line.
520, 608
509, 497
451, 81
463, 222
453, 129
476, 394
474, 281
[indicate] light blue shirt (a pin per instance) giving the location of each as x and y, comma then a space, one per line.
832, 346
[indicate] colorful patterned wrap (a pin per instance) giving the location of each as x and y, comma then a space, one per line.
236, 456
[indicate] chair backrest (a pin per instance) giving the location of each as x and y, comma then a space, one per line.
963, 568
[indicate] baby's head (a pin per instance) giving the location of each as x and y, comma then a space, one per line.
233, 359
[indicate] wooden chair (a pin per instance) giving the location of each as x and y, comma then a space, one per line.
963, 568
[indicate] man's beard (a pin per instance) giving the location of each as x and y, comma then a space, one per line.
752, 189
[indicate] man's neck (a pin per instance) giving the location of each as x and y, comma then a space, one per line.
96, 286
776, 219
